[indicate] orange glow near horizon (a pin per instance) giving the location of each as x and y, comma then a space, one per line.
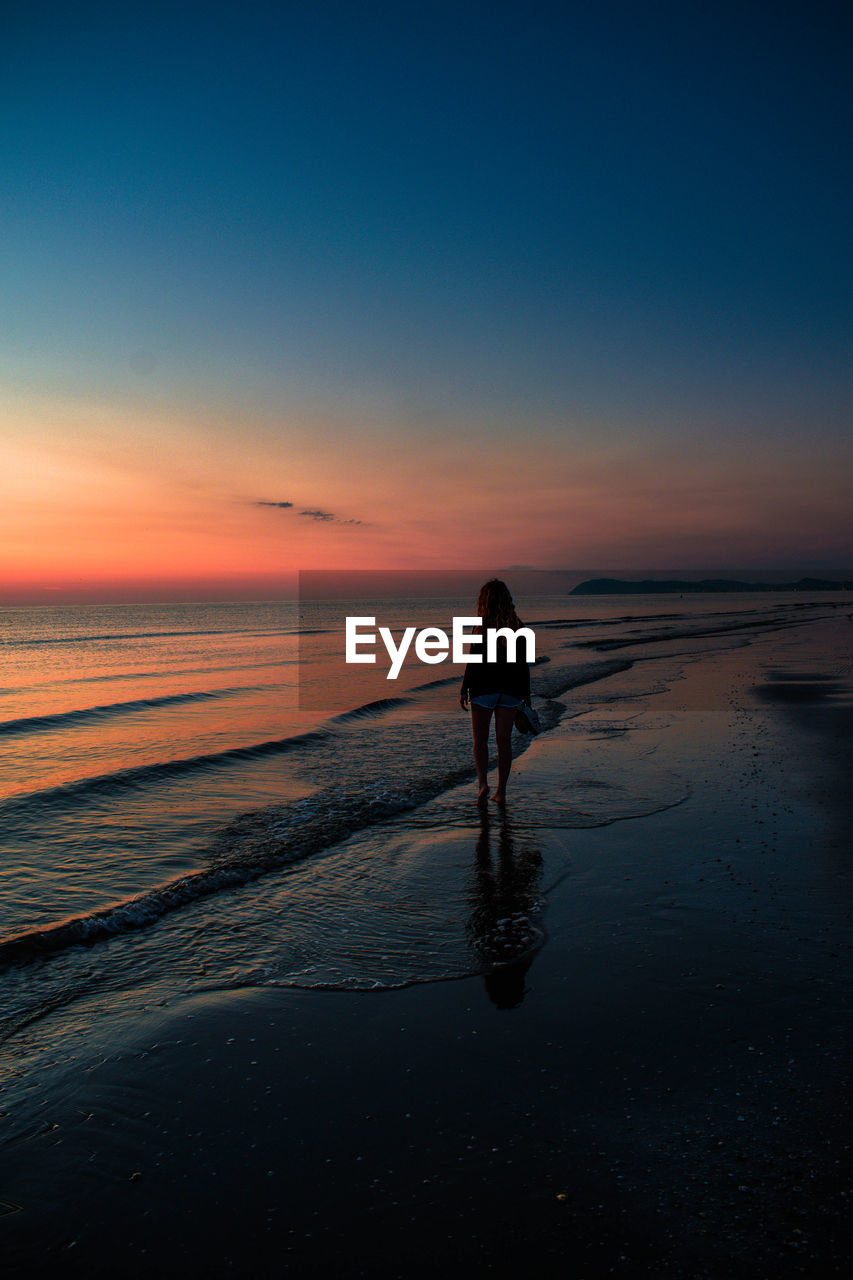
116, 501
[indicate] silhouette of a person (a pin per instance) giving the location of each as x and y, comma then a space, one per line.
496, 688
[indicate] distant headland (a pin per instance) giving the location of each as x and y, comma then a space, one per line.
673, 586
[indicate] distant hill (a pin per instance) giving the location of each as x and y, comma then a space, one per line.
650, 586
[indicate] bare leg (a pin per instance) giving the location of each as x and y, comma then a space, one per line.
481, 718
504, 717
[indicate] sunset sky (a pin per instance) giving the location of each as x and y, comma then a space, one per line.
370, 285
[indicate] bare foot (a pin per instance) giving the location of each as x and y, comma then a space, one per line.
483, 794
499, 797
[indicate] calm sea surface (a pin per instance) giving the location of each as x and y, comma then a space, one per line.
193, 796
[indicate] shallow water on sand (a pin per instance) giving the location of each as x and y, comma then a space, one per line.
174, 822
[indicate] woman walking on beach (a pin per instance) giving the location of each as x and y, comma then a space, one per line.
500, 687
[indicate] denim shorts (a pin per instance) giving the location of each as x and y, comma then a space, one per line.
491, 700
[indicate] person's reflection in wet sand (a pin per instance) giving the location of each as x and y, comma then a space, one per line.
505, 904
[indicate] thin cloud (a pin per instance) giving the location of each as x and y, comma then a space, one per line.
326, 516
312, 513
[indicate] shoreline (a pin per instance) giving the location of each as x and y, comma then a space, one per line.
666, 1096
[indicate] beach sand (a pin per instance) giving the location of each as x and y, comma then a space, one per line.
657, 1089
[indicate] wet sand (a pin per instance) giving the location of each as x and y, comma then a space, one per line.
657, 1090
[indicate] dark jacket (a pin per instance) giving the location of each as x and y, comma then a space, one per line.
497, 677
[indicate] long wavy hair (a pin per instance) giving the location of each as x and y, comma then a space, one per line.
495, 606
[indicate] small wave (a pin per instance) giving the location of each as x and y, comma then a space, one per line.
443, 683
752, 623
310, 826
572, 624
736, 621
142, 775
369, 709
561, 679
267, 841
83, 715
95, 636
599, 671
112, 677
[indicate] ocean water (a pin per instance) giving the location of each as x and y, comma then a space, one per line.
194, 797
